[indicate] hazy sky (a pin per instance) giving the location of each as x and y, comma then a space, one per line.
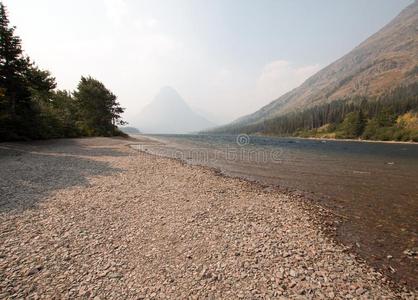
226, 58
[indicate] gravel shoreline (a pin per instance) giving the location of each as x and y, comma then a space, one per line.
93, 218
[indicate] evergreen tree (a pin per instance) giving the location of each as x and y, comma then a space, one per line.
31, 108
98, 109
352, 126
15, 102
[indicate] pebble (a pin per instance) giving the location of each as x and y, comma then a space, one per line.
92, 218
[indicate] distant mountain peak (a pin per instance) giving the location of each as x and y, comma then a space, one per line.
168, 92
169, 113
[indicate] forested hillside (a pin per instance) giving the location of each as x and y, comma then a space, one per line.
363, 86
32, 108
391, 116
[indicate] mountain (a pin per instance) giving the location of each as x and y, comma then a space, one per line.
129, 130
386, 60
169, 113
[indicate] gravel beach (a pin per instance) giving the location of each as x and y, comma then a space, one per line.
93, 218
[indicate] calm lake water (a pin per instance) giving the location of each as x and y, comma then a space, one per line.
373, 185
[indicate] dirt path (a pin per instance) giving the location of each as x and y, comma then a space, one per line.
93, 218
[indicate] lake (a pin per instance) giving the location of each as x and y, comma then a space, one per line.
373, 186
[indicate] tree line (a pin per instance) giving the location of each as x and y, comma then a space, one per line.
391, 116
31, 106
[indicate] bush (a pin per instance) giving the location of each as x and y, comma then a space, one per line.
352, 126
370, 129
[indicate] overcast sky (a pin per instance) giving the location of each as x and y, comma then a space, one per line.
226, 58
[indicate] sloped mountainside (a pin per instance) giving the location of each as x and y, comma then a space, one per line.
169, 113
384, 61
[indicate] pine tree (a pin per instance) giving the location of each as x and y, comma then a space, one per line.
99, 111
31, 108
16, 108
12, 64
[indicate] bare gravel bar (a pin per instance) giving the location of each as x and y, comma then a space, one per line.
94, 218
